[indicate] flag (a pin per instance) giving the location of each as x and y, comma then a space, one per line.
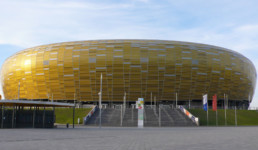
205, 102
214, 103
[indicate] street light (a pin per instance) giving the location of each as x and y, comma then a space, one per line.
100, 105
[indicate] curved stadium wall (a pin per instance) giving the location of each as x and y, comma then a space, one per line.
64, 71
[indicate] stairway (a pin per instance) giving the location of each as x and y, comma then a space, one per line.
109, 117
150, 118
174, 117
130, 118
169, 117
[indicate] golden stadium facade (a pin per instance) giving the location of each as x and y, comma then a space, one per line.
71, 70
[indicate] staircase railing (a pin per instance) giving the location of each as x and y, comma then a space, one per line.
189, 115
87, 117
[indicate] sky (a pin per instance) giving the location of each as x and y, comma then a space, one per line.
231, 24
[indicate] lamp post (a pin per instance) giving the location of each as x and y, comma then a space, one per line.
176, 99
74, 109
225, 109
124, 100
151, 99
100, 96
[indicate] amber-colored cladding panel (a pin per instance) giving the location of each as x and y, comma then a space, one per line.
137, 67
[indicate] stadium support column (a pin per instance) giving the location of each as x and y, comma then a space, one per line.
2, 123
44, 116
13, 116
34, 115
54, 119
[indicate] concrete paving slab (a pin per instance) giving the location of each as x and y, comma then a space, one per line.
91, 138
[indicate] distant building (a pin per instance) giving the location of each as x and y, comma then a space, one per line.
71, 70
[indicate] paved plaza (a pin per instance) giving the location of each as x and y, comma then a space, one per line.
85, 138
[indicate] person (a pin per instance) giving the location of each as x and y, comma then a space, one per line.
67, 125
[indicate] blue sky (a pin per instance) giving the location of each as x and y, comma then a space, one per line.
231, 24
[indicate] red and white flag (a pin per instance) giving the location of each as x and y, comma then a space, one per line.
214, 103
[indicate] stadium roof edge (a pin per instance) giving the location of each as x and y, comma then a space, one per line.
33, 103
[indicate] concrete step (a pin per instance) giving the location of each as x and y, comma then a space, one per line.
169, 117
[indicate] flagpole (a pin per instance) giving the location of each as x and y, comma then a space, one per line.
235, 115
205, 106
217, 117
225, 109
207, 110
216, 110
214, 107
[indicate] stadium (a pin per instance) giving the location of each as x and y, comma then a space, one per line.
156, 70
